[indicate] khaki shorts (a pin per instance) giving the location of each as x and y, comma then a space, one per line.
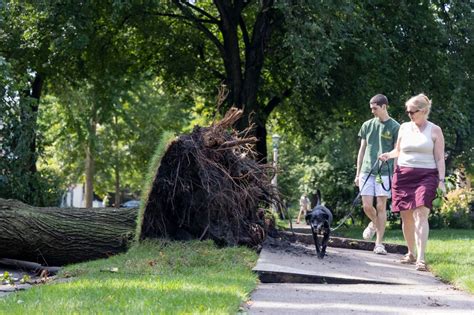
371, 188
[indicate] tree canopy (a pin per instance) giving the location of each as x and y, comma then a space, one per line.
99, 73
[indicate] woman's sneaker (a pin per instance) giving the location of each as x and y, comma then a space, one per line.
369, 231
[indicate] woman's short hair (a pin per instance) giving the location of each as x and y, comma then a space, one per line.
421, 101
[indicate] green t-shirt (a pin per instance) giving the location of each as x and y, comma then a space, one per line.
380, 137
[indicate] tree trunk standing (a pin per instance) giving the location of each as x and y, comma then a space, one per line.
117, 185
89, 189
261, 146
116, 165
90, 156
254, 61
58, 236
246, 85
36, 89
29, 116
231, 53
243, 83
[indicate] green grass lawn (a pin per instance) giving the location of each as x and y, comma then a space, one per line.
152, 278
450, 253
196, 277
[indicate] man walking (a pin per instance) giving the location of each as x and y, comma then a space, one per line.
378, 135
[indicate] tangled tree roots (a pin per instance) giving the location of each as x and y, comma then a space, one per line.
208, 185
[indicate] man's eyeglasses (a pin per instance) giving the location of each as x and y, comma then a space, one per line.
412, 112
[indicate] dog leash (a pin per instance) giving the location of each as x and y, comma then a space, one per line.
355, 201
379, 175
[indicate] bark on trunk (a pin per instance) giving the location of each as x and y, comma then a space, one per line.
117, 186
89, 170
245, 84
90, 160
242, 76
59, 236
26, 142
36, 89
117, 165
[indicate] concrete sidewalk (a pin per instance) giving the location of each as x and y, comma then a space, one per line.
348, 281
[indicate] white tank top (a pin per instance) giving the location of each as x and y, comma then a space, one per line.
417, 148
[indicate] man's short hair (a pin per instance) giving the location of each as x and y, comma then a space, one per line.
379, 99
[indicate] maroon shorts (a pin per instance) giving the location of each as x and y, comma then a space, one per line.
413, 188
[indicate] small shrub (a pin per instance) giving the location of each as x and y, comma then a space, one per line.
394, 222
456, 209
436, 217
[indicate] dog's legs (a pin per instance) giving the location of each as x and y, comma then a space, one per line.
324, 244
316, 241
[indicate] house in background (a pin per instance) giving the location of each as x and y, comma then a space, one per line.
74, 198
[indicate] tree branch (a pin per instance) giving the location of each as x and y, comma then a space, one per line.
182, 17
245, 33
255, 51
187, 13
275, 101
211, 18
261, 26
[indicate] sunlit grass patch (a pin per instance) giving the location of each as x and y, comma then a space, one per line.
451, 256
154, 277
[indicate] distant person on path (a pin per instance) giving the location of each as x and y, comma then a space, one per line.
419, 172
305, 205
378, 135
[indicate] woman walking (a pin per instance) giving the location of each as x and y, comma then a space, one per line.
419, 172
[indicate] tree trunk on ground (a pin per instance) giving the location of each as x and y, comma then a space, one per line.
59, 236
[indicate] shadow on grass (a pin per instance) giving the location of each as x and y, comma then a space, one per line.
154, 277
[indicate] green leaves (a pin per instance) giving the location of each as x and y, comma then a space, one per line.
438, 201
143, 65
127, 131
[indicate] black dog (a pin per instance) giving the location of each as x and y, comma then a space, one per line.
320, 220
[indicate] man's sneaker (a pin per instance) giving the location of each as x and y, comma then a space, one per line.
380, 249
369, 231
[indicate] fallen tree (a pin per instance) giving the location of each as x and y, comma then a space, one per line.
208, 185
59, 236
205, 185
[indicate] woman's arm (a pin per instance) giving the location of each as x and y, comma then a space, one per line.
396, 150
438, 152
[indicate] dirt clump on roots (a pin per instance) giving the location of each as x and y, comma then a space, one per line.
209, 186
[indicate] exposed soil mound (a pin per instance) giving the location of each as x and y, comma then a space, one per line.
208, 185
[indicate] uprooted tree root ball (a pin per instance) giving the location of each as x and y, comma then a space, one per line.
208, 185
